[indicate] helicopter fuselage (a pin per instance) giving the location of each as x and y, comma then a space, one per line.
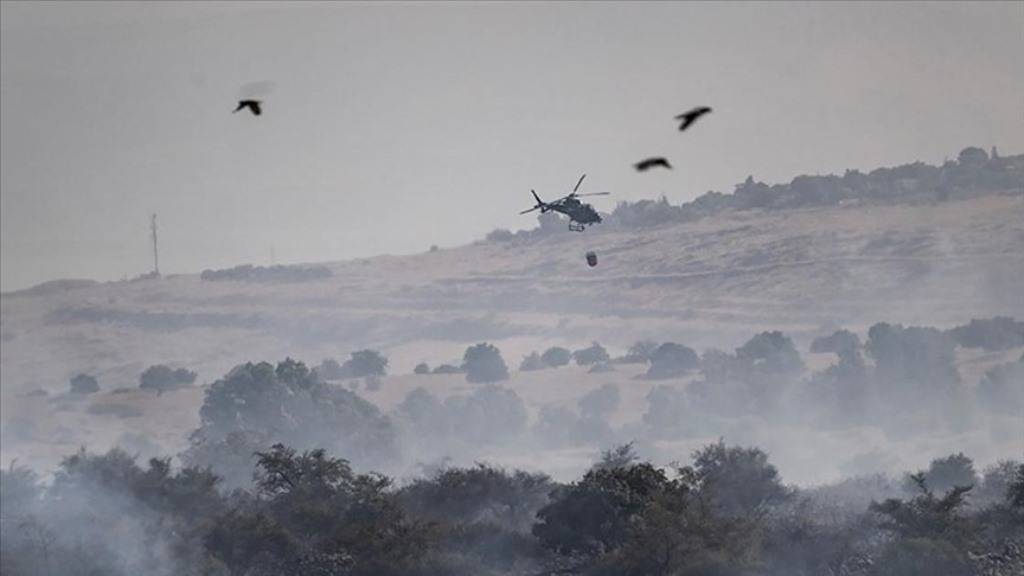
580, 214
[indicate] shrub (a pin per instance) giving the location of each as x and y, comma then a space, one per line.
84, 384
993, 334
640, 352
592, 355
483, 363
671, 360
532, 362
366, 363
448, 369
162, 378
556, 356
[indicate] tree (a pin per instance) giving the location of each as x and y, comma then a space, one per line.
162, 378
593, 355
772, 353
947, 473
448, 369
483, 363
914, 358
365, 363
972, 156
840, 342
329, 369
556, 356
671, 360
1015, 492
997, 481
481, 493
491, 414
421, 368
992, 334
290, 404
739, 482
592, 516
84, 384
640, 352
532, 362
931, 534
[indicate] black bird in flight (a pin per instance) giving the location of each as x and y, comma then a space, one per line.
649, 163
690, 117
252, 105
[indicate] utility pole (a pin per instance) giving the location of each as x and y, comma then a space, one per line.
156, 258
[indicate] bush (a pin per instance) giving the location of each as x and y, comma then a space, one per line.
592, 355
671, 360
556, 356
84, 384
483, 363
162, 378
421, 368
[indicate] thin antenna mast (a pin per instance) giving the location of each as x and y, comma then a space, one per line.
156, 257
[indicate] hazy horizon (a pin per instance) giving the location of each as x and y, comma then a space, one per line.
394, 127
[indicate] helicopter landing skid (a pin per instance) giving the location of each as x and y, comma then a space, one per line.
577, 227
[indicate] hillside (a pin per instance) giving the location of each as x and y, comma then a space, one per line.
708, 280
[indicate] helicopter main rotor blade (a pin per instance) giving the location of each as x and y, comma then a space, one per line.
577, 187
594, 194
530, 210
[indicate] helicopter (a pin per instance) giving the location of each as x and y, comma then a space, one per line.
580, 214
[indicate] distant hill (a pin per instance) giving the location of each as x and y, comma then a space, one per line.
934, 245
912, 245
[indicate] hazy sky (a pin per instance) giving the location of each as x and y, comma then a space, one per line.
392, 127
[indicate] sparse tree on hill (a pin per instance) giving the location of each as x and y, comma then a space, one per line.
640, 352
483, 363
595, 354
532, 362
162, 378
671, 360
84, 384
366, 363
556, 356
